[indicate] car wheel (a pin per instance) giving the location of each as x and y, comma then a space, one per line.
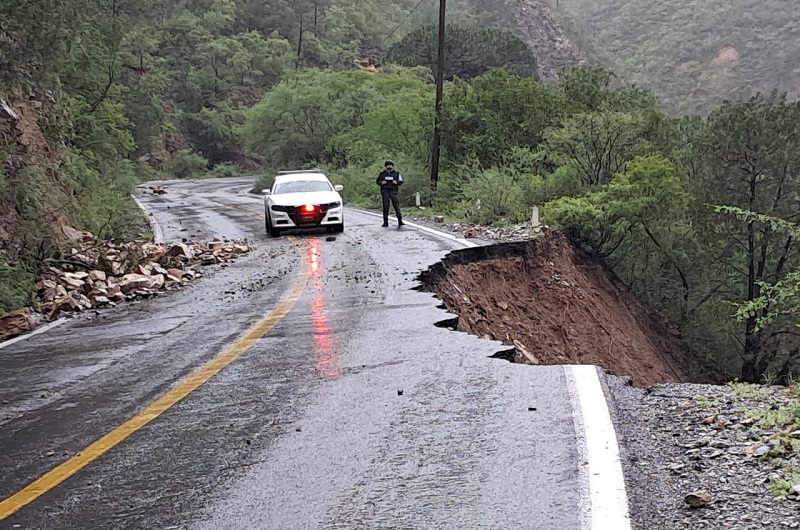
338, 229
273, 232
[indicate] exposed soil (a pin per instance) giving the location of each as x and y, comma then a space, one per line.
558, 307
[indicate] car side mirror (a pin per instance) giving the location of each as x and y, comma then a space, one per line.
265, 192
338, 187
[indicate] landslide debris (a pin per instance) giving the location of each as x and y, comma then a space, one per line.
95, 273
518, 232
556, 306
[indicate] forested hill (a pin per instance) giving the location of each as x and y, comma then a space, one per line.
692, 53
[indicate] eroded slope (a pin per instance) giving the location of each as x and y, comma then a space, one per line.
560, 308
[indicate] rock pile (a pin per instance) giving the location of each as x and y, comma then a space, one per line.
521, 232
99, 273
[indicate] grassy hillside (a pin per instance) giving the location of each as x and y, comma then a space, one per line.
692, 53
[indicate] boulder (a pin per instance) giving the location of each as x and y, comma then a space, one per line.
16, 323
180, 250
133, 282
98, 276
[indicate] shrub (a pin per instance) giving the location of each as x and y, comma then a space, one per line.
189, 164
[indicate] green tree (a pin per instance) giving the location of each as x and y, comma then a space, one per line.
595, 146
496, 112
749, 158
470, 51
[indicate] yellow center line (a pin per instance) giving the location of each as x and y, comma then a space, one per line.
62, 472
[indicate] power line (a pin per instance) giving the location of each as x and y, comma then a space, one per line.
437, 120
404, 19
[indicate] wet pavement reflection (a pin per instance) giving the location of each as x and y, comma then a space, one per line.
327, 363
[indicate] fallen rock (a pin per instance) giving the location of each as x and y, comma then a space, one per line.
98, 276
16, 323
524, 354
71, 283
698, 499
156, 281
53, 293
180, 250
73, 234
133, 282
120, 270
44, 285
175, 275
99, 300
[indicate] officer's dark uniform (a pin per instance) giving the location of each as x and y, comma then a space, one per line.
390, 180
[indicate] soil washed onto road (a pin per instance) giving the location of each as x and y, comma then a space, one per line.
557, 306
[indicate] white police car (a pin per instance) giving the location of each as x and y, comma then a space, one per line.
303, 199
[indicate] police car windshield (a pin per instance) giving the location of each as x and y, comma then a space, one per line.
302, 186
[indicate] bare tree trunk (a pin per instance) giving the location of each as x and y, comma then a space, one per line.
300, 39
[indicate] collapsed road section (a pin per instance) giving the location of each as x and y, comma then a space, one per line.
557, 306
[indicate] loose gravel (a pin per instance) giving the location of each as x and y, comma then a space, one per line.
682, 439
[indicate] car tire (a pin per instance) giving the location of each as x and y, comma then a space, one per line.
337, 229
273, 232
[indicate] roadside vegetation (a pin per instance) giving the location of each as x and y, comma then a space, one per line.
696, 214
692, 53
780, 443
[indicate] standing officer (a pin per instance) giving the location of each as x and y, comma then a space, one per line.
390, 180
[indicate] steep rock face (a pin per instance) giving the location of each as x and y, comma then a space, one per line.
534, 22
35, 197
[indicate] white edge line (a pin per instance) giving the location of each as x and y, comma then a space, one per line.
606, 482
583, 457
158, 234
37, 331
604, 499
437, 233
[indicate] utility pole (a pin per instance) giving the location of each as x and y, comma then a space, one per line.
437, 123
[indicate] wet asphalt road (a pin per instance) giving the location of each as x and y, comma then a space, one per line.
308, 429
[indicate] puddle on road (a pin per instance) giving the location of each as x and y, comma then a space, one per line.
328, 359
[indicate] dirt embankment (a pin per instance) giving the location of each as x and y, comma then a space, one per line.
559, 307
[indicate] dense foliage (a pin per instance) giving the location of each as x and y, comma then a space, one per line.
692, 53
469, 51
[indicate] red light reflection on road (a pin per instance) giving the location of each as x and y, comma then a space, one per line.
327, 358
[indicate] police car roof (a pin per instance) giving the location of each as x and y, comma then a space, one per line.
300, 175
